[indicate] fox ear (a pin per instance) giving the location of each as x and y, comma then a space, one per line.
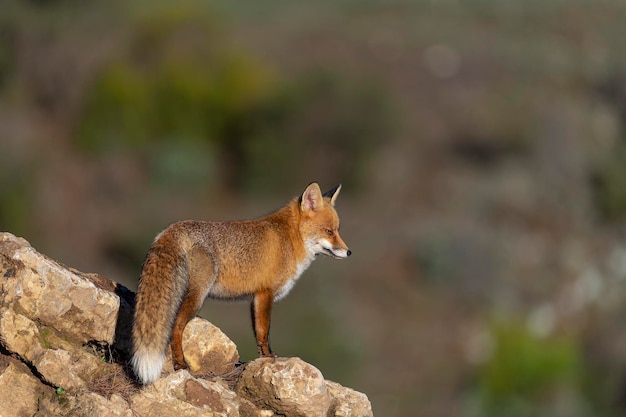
311, 198
332, 194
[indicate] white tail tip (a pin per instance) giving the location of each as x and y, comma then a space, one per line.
147, 366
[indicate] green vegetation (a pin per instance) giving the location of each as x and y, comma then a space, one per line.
610, 185
61, 396
16, 202
528, 374
7, 58
44, 336
179, 84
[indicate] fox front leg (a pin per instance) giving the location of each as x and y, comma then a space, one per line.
261, 313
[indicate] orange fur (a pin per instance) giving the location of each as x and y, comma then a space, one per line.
257, 260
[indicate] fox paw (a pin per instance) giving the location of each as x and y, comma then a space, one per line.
178, 366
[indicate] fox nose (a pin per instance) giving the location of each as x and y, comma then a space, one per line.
349, 252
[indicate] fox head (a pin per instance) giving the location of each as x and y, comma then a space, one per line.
320, 222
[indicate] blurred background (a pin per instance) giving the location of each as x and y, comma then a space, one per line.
481, 145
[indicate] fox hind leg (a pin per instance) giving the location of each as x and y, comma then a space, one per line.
187, 311
200, 265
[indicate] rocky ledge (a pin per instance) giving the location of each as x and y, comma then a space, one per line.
64, 347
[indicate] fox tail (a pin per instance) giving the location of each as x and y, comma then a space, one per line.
162, 287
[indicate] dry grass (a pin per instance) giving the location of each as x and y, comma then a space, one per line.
232, 377
116, 382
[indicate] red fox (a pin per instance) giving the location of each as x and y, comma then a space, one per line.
254, 260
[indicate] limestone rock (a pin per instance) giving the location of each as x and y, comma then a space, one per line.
19, 393
348, 402
180, 394
64, 339
68, 369
90, 404
51, 294
207, 349
59, 362
20, 335
288, 386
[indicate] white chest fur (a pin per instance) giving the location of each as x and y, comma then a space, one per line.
302, 266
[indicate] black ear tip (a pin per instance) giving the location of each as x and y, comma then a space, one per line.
330, 193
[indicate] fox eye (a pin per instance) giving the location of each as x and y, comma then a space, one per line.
330, 232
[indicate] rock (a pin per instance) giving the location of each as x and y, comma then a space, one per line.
69, 369
91, 404
163, 398
348, 402
19, 393
180, 394
20, 335
59, 362
207, 349
64, 345
288, 386
212, 396
84, 404
46, 292
52, 366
